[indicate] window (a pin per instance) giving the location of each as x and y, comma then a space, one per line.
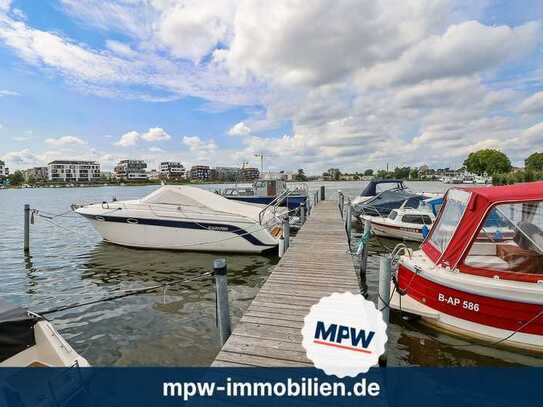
417, 219
510, 240
393, 215
387, 186
443, 230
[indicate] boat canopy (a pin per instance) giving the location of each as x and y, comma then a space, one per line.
200, 198
371, 188
16, 330
468, 211
382, 204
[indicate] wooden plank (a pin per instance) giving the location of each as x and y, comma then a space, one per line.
318, 263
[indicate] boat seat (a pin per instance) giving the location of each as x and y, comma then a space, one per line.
486, 262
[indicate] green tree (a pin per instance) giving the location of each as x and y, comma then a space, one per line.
368, 172
382, 174
334, 173
402, 172
534, 162
487, 161
17, 178
414, 173
300, 176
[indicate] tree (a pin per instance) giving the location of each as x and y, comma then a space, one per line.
17, 178
334, 173
414, 173
300, 176
487, 161
368, 172
534, 162
402, 172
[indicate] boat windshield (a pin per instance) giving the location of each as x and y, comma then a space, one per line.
443, 230
511, 240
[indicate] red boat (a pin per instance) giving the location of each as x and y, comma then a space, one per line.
480, 270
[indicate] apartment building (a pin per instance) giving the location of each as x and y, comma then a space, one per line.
73, 171
4, 171
249, 174
172, 170
37, 174
131, 170
200, 172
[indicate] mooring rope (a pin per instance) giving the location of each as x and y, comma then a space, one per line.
126, 293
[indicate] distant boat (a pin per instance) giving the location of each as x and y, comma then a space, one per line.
265, 191
187, 218
375, 187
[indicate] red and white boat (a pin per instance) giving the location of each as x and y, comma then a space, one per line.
480, 270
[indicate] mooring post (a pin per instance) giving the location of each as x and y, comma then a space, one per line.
223, 306
27, 229
308, 202
281, 247
341, 202
364, 252
323, 193
383, 303
302, 213
286, 233
348, 219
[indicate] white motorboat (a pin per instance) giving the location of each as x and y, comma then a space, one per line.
404, 223
187, 218
28, 340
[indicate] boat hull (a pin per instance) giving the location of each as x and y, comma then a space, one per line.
483, 317
381, 228
169, 234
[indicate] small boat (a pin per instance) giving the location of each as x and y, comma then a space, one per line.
403, 223
382, 204
28, 340
479, 273
187, 218
265, 191
376, 187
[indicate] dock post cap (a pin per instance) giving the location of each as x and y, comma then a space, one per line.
219, 266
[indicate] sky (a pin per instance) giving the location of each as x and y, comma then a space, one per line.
352, 84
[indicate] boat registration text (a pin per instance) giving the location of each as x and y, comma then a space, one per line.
457, 302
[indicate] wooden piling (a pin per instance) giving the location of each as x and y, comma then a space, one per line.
223, 306
26, 244
286, 233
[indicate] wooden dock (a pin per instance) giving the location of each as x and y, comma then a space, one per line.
317, 264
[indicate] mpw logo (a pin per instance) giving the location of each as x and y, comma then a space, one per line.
357, 340
344, 334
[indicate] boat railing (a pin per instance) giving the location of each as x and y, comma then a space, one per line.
274, 204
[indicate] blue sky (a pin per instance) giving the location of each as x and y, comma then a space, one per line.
411, 83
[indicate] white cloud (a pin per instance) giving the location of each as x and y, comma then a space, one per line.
128, 139
156, 150
532, 104
464, 49
156, 134
239, 129
4, 92
21, 158
196, 144
133, 137
121, 48
64, 141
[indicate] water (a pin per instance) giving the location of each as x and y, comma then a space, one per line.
177, 327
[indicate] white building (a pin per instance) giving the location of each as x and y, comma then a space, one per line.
4, 172
131, 170
74, 171
172, 169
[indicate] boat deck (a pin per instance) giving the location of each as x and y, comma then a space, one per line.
316, 264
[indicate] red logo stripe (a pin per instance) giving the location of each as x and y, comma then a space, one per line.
335, 345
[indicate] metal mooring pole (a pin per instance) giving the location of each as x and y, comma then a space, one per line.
27, 229
281, 247
385, 276
364, 252
349, 220
341, 202
323, 193
302, 213
223, 306
286, 233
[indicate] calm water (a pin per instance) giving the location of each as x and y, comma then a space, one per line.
71, 264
